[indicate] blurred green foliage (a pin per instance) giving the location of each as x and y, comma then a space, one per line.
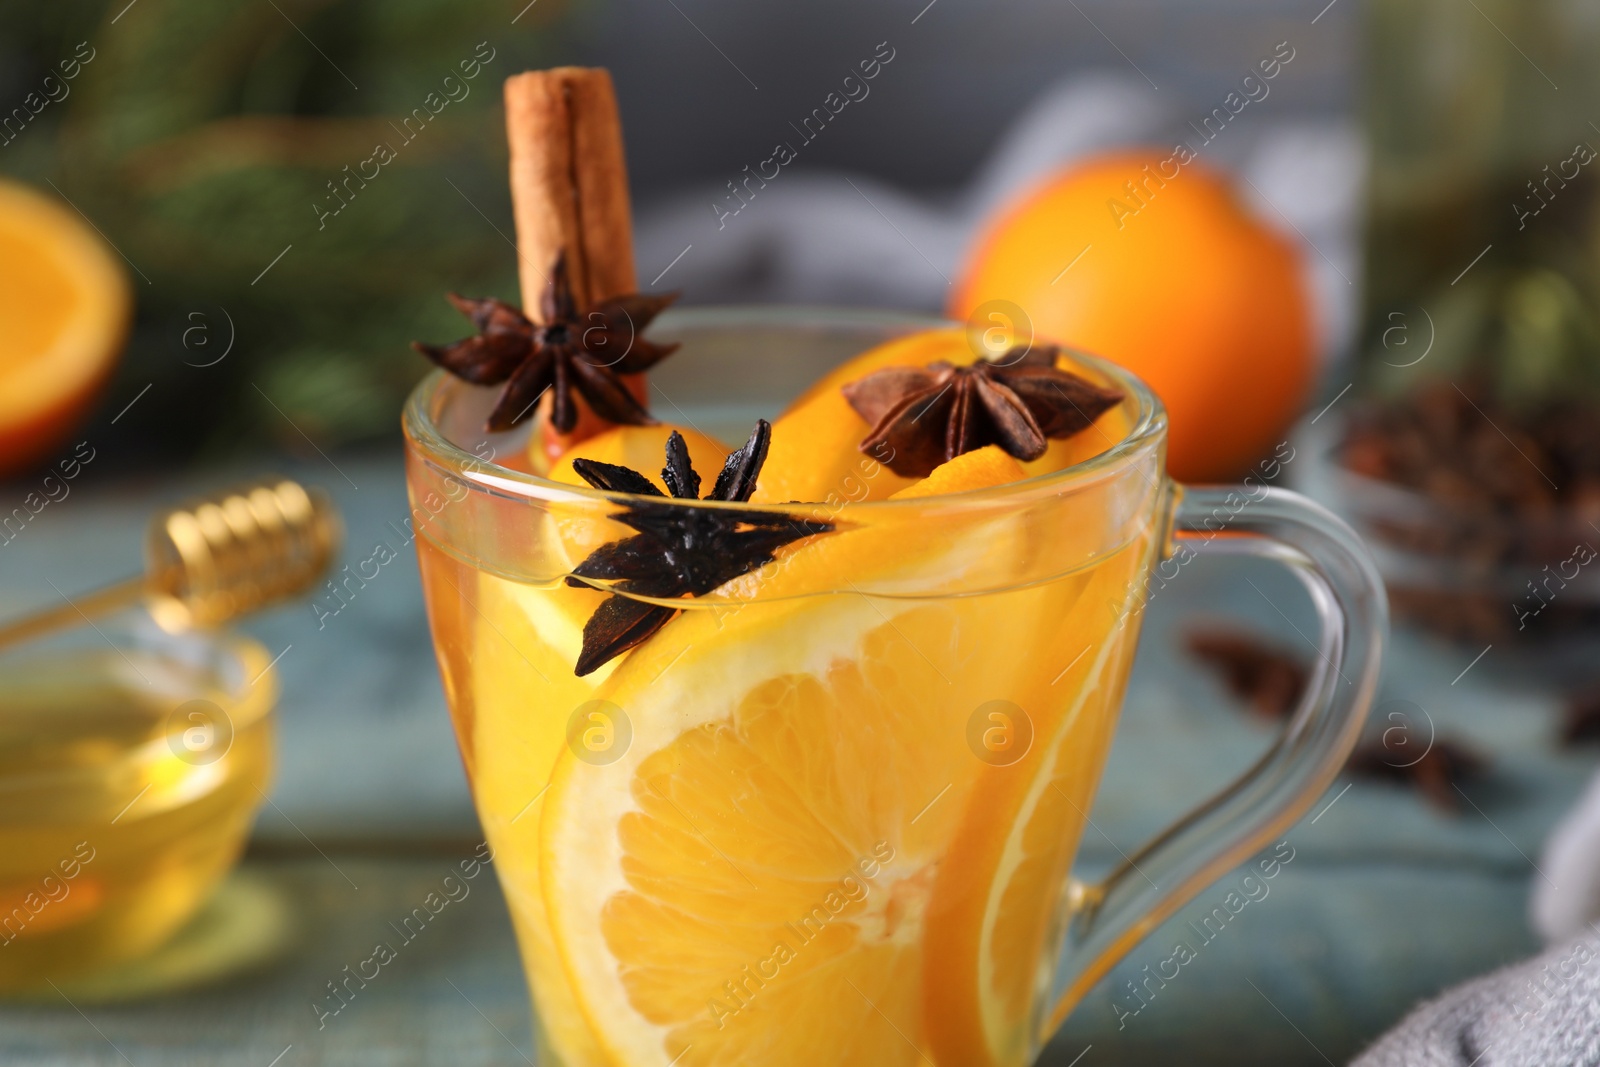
1528, 336
1483, 225
201, 139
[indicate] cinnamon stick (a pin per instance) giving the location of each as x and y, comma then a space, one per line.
569, 183
569, 191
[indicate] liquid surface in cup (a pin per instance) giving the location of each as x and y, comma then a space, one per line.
814, 827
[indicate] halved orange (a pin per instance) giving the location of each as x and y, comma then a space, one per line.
64, 309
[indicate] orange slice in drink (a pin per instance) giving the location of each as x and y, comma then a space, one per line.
640, 448
526, 639
557, 613
643, 448
523, 691
996, 911
746, 877
816, 455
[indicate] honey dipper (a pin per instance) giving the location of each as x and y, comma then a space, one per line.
214, 560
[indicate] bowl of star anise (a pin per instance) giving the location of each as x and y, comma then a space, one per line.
1484, 516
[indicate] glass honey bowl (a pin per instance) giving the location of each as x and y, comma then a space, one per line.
132, 762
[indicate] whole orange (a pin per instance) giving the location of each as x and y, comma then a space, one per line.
1157, 266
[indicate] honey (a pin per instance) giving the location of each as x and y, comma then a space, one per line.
129, 778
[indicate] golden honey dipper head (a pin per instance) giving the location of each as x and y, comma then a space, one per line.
217, 559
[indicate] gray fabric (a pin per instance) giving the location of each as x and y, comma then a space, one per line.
1566, 895
1544, 1012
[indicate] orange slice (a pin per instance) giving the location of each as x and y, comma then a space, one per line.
523, 692
995, 915
640, 448
977, 469
64, 308
749, 881
526, 640
816, 454
643, 448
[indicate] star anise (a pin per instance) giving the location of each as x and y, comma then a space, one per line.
567, 353
1436, 774
679, 551
929, 415
1269, 679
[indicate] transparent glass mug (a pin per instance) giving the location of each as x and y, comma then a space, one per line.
828, 813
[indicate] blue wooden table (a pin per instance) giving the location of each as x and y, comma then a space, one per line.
1385, 900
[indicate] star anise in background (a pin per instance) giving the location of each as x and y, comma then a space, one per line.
568, 353
1435, 775
1269, 679
679, 551
930, 415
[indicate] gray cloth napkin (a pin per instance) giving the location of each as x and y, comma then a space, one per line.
1566, 896
1543, 1012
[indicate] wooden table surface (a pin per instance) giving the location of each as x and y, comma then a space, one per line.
1385, 901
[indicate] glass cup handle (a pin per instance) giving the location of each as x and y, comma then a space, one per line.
1108, 918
